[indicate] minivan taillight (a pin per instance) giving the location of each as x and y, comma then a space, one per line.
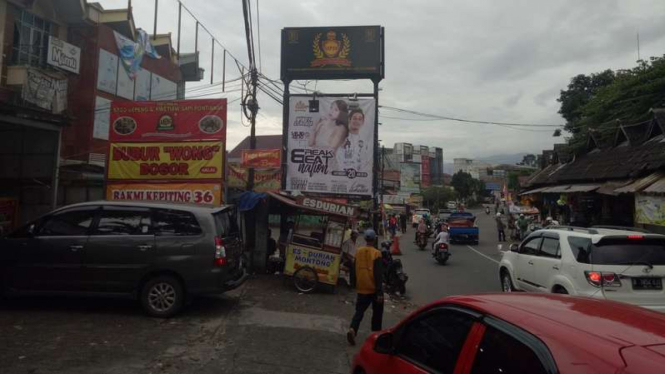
220, 252
605, 279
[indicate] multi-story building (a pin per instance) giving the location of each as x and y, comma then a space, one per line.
60, 70
430, 160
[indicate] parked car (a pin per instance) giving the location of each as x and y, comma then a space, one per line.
518, 334
613, 264
159, 253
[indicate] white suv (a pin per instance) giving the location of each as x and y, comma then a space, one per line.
605, 263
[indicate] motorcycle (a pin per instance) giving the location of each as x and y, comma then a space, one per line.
441, 253
422, 241
394, 277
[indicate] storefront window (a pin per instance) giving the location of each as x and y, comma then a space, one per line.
31, 34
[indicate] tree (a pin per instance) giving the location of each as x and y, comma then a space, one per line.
581, 90
436, 197
464, 184
598, 102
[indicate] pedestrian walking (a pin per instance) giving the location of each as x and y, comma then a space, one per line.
402, 222
392, 225
523, 225
367, 277
501, 228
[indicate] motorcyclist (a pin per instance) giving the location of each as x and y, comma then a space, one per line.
487, 210
422, 229
442, 237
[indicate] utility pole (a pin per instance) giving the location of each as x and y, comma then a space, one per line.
249, 101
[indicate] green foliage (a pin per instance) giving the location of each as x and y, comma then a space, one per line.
598, 101
465, 185
436, 197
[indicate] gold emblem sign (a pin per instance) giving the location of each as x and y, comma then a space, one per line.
331, 51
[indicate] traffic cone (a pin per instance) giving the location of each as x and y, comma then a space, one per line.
395, 247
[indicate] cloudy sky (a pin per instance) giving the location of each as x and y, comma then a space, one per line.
502, 61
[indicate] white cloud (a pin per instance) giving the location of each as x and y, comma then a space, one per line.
499, 61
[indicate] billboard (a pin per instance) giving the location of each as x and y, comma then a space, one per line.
264, 180
167, 151
147, 121
261, 158
196, 193
409, 178
331, 146
177, 160
332, 52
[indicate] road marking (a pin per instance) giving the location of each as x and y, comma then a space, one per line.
482, 254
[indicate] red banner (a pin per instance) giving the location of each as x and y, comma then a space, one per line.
261, 158
162, 121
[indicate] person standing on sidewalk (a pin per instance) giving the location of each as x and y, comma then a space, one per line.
367, 277
501, 228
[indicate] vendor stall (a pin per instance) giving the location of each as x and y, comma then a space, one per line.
313, 252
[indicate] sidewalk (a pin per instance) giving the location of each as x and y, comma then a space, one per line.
274, 329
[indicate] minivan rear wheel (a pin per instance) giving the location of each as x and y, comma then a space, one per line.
162, 296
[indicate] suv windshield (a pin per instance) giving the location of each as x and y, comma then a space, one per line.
619, 251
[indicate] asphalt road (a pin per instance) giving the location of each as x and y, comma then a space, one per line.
470, 269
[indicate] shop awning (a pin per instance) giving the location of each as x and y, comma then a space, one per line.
313, 211
641, 183
658, 187
609, 188
537, 190
571, 188
582, 188
556, 189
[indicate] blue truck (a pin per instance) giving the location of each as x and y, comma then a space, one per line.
462, 228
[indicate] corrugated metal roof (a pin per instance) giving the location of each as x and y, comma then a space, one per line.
641, 183
582, 188
571, 188
537, 190
609, 188
658, 187
556, 189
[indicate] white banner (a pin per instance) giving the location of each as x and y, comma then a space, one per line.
63, 55
331, 147
45, 91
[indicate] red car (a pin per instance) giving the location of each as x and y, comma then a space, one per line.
519, 333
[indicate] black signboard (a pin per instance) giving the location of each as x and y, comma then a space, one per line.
354, 52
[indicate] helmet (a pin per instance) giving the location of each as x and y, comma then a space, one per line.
498, 214
521, 215
548, 219
370, 234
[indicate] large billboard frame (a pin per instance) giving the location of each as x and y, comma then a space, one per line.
287, 77
306, 51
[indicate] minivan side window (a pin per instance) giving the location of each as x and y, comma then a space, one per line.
68, 223
124, 221
500, 353
435, 341
550, 248
169, 222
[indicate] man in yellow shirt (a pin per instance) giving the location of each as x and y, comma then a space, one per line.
367, 276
